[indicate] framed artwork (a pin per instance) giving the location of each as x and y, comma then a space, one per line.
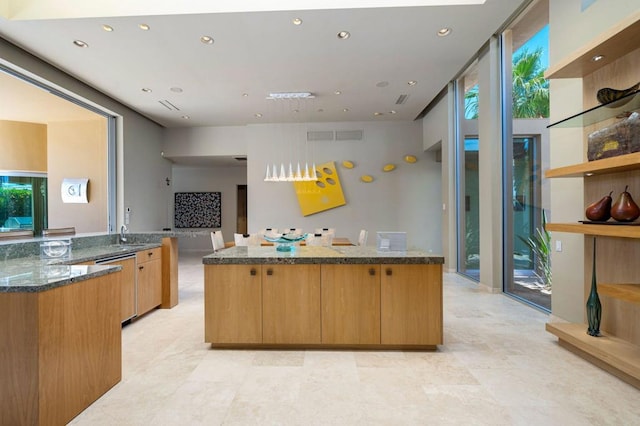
198, 210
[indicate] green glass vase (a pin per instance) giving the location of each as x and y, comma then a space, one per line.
594, 308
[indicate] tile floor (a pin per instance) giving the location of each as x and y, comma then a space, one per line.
497, 367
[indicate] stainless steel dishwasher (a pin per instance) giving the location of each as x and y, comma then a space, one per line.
129, 284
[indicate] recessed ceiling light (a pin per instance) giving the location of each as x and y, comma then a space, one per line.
146, 90
443, 32
345, 109
337, 92
393, 111
412, 83
258, 115
107, 28
80, 43
382, 84
597, 58
144, 27
245, 95
206, 39
377, 114
297, 21
176, 89
320, 110
186, 117
343, 35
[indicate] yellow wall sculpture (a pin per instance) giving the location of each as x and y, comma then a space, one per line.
323, 194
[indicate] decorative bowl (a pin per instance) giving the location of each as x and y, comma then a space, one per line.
285, 242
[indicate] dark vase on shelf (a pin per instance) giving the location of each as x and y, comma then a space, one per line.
594, 308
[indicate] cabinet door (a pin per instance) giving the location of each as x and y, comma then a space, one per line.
411, 304
350, 304
232, 304
149, 285
291, 304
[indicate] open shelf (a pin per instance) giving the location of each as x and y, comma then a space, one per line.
612, 44
621, 163
610, 353
602, 112
623, 231
627, 292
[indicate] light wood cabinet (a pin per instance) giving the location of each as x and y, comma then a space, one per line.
291, 304
350, 296
127, 286
61, 349
411, 304
618, 349
233, 304
149, 279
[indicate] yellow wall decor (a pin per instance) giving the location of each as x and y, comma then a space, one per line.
366, 178
410, 158
323, 194
389, 167
348, 164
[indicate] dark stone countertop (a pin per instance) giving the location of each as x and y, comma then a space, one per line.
309, 255
31, 273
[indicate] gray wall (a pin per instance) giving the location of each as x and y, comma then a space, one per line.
406, 199
140, 172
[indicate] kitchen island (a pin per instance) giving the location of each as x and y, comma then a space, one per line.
323, 297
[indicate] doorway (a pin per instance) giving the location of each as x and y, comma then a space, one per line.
241, 219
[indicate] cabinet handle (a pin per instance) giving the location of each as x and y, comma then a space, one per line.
141, 267
269, 271
372, 271
389, 272
150, 253
253, 271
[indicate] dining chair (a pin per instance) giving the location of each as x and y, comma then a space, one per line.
269, 232
325, 231
317, 239
294, 231
362, 238
217, 239
245, 240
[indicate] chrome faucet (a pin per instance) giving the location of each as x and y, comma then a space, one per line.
123, 229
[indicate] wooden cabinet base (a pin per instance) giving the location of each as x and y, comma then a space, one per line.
60, 350
322, 346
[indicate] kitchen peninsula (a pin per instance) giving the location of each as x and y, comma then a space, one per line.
322, 297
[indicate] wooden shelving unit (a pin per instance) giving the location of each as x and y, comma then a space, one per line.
620, 356
614, 355
622, 163
620, 231
612, 44
627, 292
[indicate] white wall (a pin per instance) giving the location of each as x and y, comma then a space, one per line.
407, 199
140, 170
210, 179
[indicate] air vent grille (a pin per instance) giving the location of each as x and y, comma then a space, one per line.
401, 99
326, 135
349, 135
168, 105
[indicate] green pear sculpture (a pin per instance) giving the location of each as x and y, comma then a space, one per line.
624, 209
600, 210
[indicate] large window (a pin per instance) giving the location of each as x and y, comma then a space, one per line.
527, 269
23, 202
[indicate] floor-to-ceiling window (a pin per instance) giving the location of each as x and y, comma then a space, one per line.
527, 269
468, 196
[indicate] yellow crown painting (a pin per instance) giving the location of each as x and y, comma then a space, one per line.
322, 194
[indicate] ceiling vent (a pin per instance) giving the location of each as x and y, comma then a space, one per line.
349, 135
168, 105
401, 99
326, 135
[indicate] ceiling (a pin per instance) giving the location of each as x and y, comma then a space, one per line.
254, 53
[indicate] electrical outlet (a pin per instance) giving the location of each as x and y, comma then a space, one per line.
558, 245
